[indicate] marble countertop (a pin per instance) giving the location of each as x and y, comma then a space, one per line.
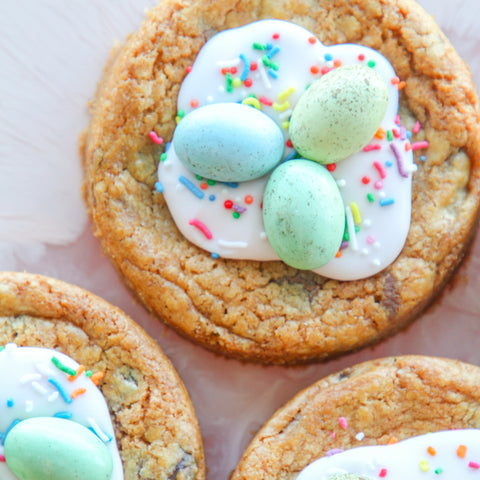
51, 58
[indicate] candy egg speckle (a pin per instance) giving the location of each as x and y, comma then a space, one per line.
44, 448
339, 114
303, 214
228, 142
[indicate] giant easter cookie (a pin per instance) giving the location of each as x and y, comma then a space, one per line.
266, 310
372, 420
153, 420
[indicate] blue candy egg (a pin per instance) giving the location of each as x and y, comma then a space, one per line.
228, 142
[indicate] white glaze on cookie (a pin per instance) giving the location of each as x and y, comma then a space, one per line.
30, 381
375, 183
446, 455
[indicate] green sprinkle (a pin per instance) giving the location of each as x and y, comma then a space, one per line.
266, 61
163, 157
346, 236
88, 373
1, 347
438, 470
371, 63
236, 215
198, 177
228, 79
259, 46
211, 182
357, 228
389, 135
274, 65
181, 113
370, 197
62, 367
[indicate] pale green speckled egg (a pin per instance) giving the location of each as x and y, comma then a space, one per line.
303, 214
49, 448
338, 114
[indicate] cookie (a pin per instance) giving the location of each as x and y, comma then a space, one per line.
154, 423
267, 311
379, 402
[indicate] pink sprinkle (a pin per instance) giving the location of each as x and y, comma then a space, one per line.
333, 451
383, 473
381, 169
343, 422
474, 465
265, 101
398, 158
333, 435
397, 120
370, 239
378, 184
416, 128
155, 138
2, 458
372, 146
417, 145
395, 133
202, 227
189, 69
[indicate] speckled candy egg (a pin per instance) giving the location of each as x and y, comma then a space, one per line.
339, 114
303, 214
49, 448
228, 142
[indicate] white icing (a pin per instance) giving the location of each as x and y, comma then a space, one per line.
244, 237
433, 455
24, 375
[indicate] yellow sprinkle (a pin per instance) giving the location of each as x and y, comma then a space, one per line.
424, 467
286, 125
286, 93
177, 120
356, 213
281, 107
253, 102
236, 82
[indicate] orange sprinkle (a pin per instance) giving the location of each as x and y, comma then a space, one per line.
431, 451
395, 81
407, 147
77, 392
337, 62
312, 40
80, 370
339, 254
401, 85
96, 377
392, 440
248, 199
461, 451
314, 69
380, 133
203, 186
194, 103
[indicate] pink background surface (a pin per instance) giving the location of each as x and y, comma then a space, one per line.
51, 59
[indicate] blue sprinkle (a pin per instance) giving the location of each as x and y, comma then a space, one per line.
15, 422
230, 184
66, 397
215, 255
212, 198
10, 402
409, 134
387, 201
291, 156
195, 190
272, 73
423, 158
159, 187
269, 46
274, 50
246, 67
388, 163
109, 438
66, 415
167, 146
328, 57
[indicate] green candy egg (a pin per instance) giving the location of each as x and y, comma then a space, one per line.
49, 448
303, 214
339, 114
